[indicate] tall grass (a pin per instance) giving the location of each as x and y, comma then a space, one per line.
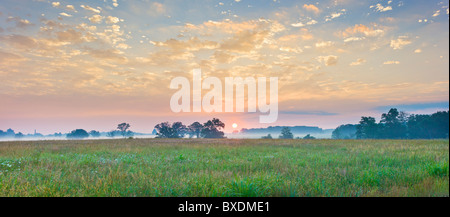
242, 168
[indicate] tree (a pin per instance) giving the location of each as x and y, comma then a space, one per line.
267, 137
213, 129
195, 129
165, 130
347, 131
367, 128
94, 134
78, 134
111, 134
286, 133
393, 124
309, 137
123, 127
440, 127
178, 130
19, 135
419, 127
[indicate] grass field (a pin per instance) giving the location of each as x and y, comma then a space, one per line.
158, 167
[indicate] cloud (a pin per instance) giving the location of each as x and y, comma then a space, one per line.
107, 54
311, 8
71, 8
301, 112
362, 30
391, 62
65, 14
335, 15
351, 39
89, 8
437, 13
324, 44
19, 41
418, 51
245, 41
299, 24
70, 35
399, 43
193, 44
328, 60
7, 57
19, 22
416, 106
115, 4
56, 4
158, 8
112, 20
96, 18
381, 8
358, 62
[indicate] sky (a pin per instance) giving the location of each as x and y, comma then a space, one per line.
66, 65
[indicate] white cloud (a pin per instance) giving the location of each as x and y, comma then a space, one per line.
65, 14
324, 44
300, 24
312, 22
392, 62
437, 13
56, 4
381, 8
96, 18
350, 39
399, 43
88, 8
328, 60
112, 20
311, 8
358, 62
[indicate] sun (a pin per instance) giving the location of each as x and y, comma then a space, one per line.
235, 125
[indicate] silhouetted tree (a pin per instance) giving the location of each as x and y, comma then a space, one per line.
367, 128
267, 137
309, 137
419, 127
440, 124
195, 129
94, 134
123, 127
393, 124
286, 133
165, 130
111, 134
78, 134
179, 130
213, 129
347, 131
19, 135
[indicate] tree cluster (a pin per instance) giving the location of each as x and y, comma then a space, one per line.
211, 129
397, 125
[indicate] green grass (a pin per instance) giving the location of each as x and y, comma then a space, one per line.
242, 168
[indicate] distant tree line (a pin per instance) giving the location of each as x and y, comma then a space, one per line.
397, 125
122, 130
287, 134
11, 134
211, 129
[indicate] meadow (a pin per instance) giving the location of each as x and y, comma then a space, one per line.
222, 168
